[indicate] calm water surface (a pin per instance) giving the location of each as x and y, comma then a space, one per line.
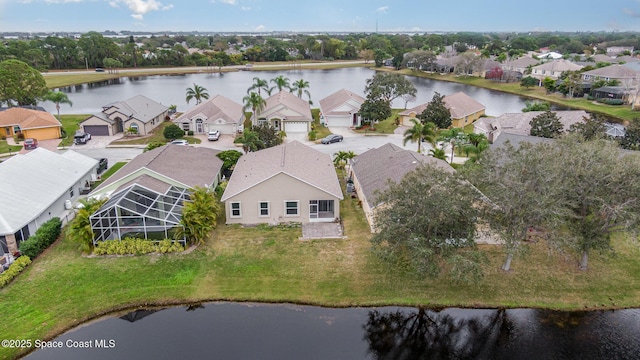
253, 331
170, 89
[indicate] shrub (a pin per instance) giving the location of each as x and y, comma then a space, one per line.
190, 132
312, 135
42, 239
133, 246
13, 270
172, 132
20, 136
152, 145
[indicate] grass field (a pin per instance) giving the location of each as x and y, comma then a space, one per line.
155, 136
62, 288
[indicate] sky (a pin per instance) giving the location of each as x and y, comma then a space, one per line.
319, 15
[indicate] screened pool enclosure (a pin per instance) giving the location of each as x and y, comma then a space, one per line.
141, 213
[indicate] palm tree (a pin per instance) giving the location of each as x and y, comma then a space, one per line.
420, 132
79, 230
281, 83
197, 92
438, 153
256, 103
300, 87
453, 136
259, 84
57, 97
249, 140
341, 157
199, 215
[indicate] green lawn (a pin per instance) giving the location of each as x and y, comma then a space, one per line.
62, 288
110, 171
155, 136
70, 125
321, 130
386, 126
5, 148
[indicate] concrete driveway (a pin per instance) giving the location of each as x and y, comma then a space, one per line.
344, 131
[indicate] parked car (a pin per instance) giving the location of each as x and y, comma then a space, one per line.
30, 144
180, 142
331, 139
102, 165
214, 135
99, 70
81, 137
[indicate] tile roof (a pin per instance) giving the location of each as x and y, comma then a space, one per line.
331, 103
294, 159
27, 118
461, 105
218, 107
416, 109
374, 168
522, 62
31, 182
191, 166
281, 104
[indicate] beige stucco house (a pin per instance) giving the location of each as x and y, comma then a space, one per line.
372, 170
553, 69
341, 109
464, 110
139, 115
285, 111
285, 183
218, 113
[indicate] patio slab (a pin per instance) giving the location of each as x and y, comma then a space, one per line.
322, 230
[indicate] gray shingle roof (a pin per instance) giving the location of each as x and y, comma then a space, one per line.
294, 159
219, 107
375, 167
139, 107
615, 71
329, 104
518, 123
558, 65
191, 166
283, 103
461, 105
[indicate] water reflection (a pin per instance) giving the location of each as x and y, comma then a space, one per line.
262, 331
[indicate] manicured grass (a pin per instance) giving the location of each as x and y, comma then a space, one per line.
5, 148
321, 130
386, 126
155, 136
70, 125
62, 288
110, 171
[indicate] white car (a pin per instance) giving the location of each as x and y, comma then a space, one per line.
214, 135
180, 142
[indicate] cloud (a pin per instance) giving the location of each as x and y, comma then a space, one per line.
245, 8
382, 10
140, 7
259, 28
62, 1
631, 12
228, 2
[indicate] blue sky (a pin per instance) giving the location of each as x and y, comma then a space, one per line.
319, 15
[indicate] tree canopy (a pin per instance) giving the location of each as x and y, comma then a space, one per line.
436, 112
21, 84
546, 125
389, 86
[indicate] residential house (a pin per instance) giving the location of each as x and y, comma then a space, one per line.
553, 69
552, 55
146, 196
218, 113
138, 115
618, 72
36, 187
617, 50
285, 111
464, 110
285, 183
520, 65
31, 123
372, 170
518, 123
341, 109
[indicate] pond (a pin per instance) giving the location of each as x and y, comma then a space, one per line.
171, 89
285, 331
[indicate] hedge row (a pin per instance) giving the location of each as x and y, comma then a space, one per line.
14, 269
136, 247
610, 101
42, 239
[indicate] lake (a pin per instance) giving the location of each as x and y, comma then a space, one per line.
171, 89
285, 331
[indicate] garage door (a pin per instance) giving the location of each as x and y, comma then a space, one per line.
97, 130
295, 126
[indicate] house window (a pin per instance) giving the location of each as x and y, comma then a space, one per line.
235, 210
71, 192
134, 128
263, 208
291, 208
16, 129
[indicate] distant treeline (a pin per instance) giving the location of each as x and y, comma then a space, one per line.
91, 49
